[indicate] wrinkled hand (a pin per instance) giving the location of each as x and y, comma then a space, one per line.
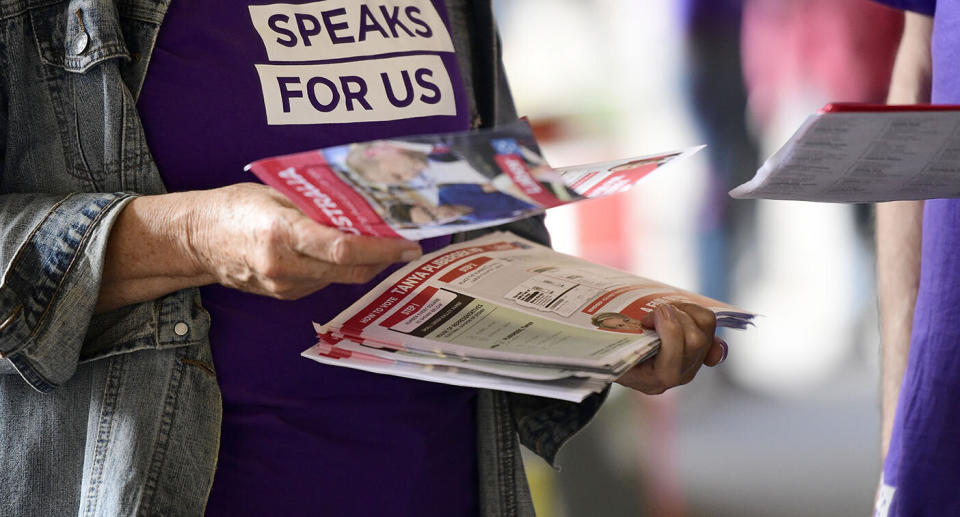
687, 341
250, 237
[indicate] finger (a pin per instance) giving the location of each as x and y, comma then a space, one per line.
356, 274
641, 379
309, 269
336, 247
669, 360
284, 270
717, 353
649, 320
695, 346
292, 288
704, 318
295, 288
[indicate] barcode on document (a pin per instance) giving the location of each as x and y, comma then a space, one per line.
533, 297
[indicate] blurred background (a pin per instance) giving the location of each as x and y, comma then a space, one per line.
789, 425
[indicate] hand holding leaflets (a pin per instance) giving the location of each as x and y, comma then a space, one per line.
505, 313
497, 312
690, 329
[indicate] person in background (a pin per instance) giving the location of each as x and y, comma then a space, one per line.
840, 50
918, 282
718, 99
153, 305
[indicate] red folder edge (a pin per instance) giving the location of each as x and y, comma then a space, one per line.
852, 107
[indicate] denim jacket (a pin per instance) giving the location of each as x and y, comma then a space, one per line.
119, 413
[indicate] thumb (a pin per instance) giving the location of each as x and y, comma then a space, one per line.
337, 247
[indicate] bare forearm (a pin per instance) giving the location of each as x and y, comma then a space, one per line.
912, 70
899, 229
898, 278
245, 236
148, 254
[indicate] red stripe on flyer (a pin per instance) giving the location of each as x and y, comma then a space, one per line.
411, 308
308, 181
514, 166
329, 339
607, 297
332, 351
464, 269
621, 181
856, 107
583, 179
405, 287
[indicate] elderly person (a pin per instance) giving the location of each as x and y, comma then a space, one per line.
153, 306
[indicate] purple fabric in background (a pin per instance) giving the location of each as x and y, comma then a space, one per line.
923, 463
706, 14
920, 6
301, 438
922, 468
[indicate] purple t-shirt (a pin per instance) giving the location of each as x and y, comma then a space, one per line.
232, 83
922, 468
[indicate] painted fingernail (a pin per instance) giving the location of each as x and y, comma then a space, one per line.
725, 348
412, 254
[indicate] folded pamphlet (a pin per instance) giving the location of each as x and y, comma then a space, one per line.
862, 153
425, 186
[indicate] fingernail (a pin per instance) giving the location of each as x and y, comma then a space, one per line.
649, 319
725, 347
665, 311
411, 254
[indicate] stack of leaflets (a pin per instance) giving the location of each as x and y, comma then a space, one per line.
498, 312
504, 313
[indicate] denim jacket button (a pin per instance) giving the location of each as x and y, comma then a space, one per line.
181, 329
80, 43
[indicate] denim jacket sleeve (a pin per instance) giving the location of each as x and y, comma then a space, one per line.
70, 140
52, 253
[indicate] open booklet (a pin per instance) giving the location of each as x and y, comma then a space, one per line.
861, 153
424, 186
504, 313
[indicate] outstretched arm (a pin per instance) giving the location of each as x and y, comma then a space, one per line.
899, 228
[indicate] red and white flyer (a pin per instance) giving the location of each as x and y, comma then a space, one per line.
502, 307
425, 186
